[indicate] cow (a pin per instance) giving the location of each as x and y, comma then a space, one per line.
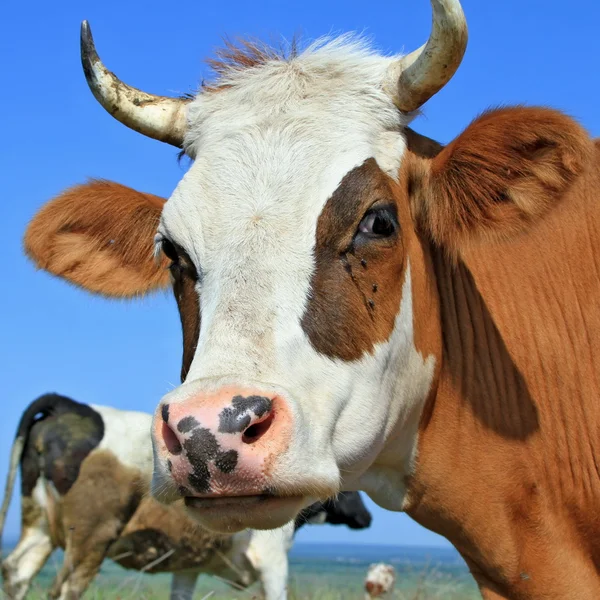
380, 580
363, 308
85, 476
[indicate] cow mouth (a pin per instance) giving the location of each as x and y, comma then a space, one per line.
227, 514
214, 502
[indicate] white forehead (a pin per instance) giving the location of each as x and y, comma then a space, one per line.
275, 140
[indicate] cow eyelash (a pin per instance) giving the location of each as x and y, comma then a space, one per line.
180, 262
378, 222
169, 250
166, 248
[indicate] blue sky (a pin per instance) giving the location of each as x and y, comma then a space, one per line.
127, 354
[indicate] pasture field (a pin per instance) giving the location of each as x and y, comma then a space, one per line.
318, 572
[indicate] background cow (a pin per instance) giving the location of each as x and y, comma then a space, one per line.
380, 580
85, 475
363, 308
346, 509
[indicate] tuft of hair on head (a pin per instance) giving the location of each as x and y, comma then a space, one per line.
241, 54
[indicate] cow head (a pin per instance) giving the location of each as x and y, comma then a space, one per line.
297, 245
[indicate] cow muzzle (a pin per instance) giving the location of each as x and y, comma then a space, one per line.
218, 449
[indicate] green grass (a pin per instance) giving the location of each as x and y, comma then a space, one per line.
113, 583
312, 577
158, 589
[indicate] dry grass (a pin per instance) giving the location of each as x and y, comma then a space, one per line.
113, 583
429, 586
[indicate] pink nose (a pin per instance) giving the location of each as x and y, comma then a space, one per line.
222, 444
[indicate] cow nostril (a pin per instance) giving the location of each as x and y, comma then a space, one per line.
171, 442
257, 430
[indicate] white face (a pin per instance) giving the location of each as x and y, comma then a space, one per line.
270, 152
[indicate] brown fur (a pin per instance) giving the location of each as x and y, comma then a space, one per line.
91, 516
100, 236
104, 498
507, 466
155, 529
421, 145
64, 442
505, 171
355, 295
355, 292
108, 513
188, 303
31, 513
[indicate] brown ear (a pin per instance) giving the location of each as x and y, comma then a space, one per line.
421, 145
100, 236
503, 172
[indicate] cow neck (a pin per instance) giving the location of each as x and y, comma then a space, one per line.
513, 421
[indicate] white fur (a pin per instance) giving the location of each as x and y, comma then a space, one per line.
268, 553
32, 551
127, 436
381, 574
24, 562
269, 152
40, 493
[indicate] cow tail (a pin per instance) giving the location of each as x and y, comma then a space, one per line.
15, 457
37, 410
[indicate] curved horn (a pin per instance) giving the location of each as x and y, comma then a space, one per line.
158, 117
413, 79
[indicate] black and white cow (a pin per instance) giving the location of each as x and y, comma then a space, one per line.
85, 477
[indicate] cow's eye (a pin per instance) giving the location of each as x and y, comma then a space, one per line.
379, 222
170, 251
180, 261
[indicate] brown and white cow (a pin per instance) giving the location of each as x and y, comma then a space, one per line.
363, 308
380, 580
85, 477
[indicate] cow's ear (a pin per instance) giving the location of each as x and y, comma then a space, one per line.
100, 236
505, 171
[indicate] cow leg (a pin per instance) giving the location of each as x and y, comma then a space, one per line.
274, 579
57, 583
183, 584
79, 579
77, 572
268, 552
25, 561
95, 510
83, 559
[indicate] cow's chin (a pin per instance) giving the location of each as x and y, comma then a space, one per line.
235, 513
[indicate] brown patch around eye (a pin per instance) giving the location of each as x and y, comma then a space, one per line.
356, 287
188, 302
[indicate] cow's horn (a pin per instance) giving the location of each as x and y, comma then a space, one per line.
416, 77
158, 117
